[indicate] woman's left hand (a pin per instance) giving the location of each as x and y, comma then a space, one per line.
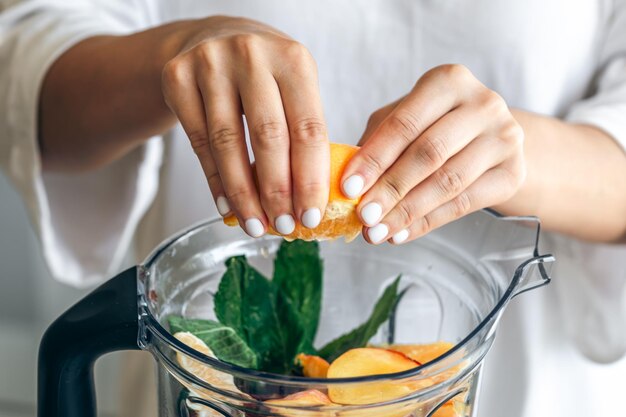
449, 147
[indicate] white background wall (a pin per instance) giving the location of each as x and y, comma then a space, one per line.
29, 301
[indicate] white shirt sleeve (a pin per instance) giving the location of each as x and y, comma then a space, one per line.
605, 108
85, 222
592, 277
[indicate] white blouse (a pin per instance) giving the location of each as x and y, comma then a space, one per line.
562, 58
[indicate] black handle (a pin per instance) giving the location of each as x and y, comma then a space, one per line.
104, 321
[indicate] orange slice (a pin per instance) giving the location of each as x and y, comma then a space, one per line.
209, 375
340, 218
312, 366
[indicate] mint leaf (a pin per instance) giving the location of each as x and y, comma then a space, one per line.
227, 345
298, 279
246, 301
362, 334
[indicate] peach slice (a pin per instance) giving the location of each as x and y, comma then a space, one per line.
371, 361
423, 353
312, 366
308, 398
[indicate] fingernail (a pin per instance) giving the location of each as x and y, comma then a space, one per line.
371, 213
222, 205
400, 237
254, 227
353, 186
378, 233
285, 224
311, 218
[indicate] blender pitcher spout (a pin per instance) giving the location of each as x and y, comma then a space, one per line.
533, 273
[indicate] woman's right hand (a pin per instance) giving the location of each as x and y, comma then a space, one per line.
228, 67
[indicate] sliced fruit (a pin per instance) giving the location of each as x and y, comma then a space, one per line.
312, 366
309, 398
423, 353
446, 410
371, 361
340, 218
206, 373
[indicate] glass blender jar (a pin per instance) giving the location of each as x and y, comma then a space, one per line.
457, 281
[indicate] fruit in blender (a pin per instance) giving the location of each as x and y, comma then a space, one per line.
312, 366
372, 361
423, 353
306, 398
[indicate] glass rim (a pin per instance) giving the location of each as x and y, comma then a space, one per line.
261, 376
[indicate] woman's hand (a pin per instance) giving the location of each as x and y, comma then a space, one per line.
450, 147
229, 67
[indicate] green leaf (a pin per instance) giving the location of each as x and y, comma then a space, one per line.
362, 334
227, 345
246, 301
298, 280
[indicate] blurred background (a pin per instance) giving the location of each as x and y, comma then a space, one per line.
29, 300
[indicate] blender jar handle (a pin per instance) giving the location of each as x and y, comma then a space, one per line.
104, 321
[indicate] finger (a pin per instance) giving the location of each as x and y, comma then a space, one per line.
184, 99
269, 137
310, 151
228, 146
431, 98
428, 153
444, 185
375, 120
484, 192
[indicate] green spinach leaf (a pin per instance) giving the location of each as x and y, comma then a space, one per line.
227, 345
246, 301
362, 334
298, 281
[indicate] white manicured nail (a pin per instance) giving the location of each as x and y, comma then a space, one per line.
285, 224
222, 205
371, 213
353, 186
378, 233
254, 227
400, 237
311, 218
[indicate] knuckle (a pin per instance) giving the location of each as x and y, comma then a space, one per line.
432, 152
269, 134
405, 124
373, 163
175, 73
296, 51
240, 195
395, 188
310, 188
200, 143
276, 193
461, 205
214, 181
492, 102
453, 72
450, 182
309, 131
224, 139
206, 52
517, 173
405, 211
246, 43
424, 225
513, 133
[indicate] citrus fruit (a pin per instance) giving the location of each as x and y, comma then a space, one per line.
340, 218
209, 375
